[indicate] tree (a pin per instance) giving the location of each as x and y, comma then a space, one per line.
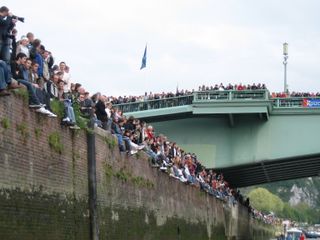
263, 200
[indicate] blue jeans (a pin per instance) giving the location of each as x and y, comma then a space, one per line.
69, 110
33, 99
4, 75
120, 142
5, 50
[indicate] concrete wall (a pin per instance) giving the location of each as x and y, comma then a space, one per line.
44, 189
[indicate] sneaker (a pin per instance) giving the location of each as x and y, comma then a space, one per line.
52, 115
66, 119
47, 112
35, 106
163, 168
155, 165
141, 147
4, 93
42, 110
133, 152
75, 127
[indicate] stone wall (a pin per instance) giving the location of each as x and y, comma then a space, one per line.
44, 189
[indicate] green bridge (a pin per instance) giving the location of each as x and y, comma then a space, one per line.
249, 136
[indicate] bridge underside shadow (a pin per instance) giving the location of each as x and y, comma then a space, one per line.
272, 170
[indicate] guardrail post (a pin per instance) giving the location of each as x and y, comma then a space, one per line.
194, 97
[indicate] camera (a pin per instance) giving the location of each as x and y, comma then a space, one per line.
21, 19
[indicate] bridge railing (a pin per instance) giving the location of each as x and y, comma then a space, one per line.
231, 95
202, 96
155, 104
296, 102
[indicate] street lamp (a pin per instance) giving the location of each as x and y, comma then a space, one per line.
285, 58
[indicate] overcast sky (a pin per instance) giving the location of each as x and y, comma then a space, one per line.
190, 42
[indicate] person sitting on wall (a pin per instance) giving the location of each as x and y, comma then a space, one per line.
5, 80
69, 116
101, 112
23, 46
18, 73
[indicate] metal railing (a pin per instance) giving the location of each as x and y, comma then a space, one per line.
216, 96
294, 102
231, 95
193, 98
155, 104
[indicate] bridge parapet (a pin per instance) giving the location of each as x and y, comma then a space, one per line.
296, 102
222, 102
231, 95
227, 96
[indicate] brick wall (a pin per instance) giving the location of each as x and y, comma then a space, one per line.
43, 193
44, 189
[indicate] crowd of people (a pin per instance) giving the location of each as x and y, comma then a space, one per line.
295, 94
26, 62
179, 93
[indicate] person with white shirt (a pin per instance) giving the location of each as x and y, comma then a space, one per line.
65, 76
23, 46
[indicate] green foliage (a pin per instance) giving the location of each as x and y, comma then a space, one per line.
265, 201
22, 128
5, 123
81, 122
38, 133
142, 182
108, 170
57, 107
110, 141
22, 93
55, 142
123, 175
301, 213
126, 176
89, 130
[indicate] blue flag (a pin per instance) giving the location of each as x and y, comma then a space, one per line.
144, 59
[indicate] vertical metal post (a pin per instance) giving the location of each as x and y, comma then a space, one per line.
92, 183
285, 57
285, 89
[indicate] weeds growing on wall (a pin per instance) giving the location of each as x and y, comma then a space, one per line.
55, 142
22, 128
21, 93
5, 123
126, 176
108, 170
111, 142
38, 133
81, 122
57, 107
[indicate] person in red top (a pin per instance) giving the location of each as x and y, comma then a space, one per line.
240, 87
302, 237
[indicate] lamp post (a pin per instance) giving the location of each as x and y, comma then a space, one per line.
285, 58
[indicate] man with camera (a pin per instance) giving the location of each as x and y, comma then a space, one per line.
7, 23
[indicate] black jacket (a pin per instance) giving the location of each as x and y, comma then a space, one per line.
6, 26
101, 111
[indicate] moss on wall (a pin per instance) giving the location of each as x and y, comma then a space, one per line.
138, 223
33, 214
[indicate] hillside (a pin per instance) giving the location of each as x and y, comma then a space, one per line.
306, 190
